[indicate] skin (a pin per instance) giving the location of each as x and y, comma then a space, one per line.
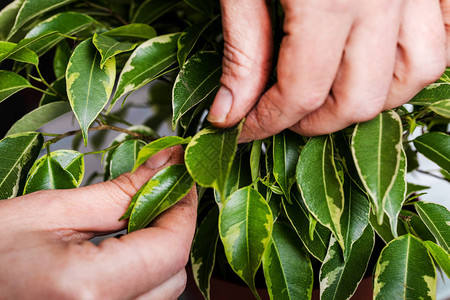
53, 258
340, 62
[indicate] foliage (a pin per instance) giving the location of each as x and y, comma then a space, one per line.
285, 204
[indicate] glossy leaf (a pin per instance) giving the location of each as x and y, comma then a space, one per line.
286, 151
132, 31
440, 256
147, 62
66, 23
203, 253
189, 38
11, 83
384, 230
412, 188
124, 157
415, 222
442, 108
320, 184
339, 278
59, 86
48, 174
255, 157
245, 227
109, 47
397, 195
355, 217
158, 145
405, 271
39, 117
165, 189
204, 6
25, 55
31, 9
376, 148
287, 266
299, 217
70, 160
150, 10
437, 218
14, 165
199, 77
209, 156
436, 147
88, 86
431, 94
7, 17
61, 59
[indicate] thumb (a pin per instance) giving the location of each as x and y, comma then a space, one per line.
247, 60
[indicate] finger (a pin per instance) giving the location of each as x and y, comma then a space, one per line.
309, 58
136, 262
94, 208
362, 83
421, 52
445, 7
171, 289
246, 61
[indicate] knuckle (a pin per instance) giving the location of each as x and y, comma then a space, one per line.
182, 282
310, 103
363, 113
429, 73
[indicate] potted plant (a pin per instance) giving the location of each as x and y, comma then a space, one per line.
282, 204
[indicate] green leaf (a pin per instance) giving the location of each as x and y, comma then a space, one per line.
299, 217
88, 86
245, 227
324, 198
203, 253
189, 38
198, 78
397, 195
209, 156
61, 59
14, 165
355, 216
255, 157
376, 148
124, 157
204, 6
66, 23
437, 218
132, 31
11, 83
287, 267
158, 145
412, 188
165, 189
442, 108
109, 47
339, 278
48, 174
431, 94
440, 255
25, 55
147, 62
70, 160
417, 225
436, 147
150, 10
8, 16
384, 230
39, 117
31, 9
286, 151
405, 271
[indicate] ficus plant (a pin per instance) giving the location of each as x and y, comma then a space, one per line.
293, 208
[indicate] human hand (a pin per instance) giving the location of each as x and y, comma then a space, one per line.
45, 252
340, 62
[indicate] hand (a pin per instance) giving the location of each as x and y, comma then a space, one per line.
45, 252
340, 62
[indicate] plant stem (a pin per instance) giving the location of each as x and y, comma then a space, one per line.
42, 91
111, 12
98, 128
432, 175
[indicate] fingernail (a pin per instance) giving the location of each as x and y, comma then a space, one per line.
159, 159
221, 106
